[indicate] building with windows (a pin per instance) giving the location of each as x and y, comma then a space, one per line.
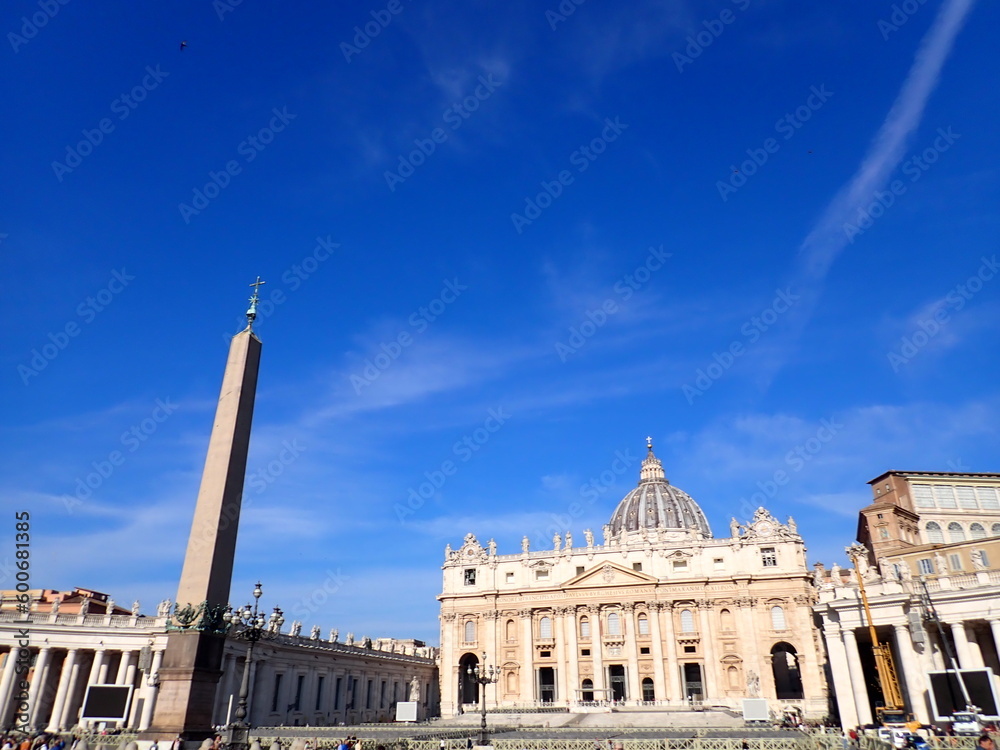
662, 613
295, 679
934, 548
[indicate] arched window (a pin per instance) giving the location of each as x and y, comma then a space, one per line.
545, 627
955, 532
777, 618
511, 682
733, 676
648, 693
470, 631
726, 618
587, 690
687, 621
977, 531
614, 624
584, 627
510, 631
643, 625
995, 529
934, 533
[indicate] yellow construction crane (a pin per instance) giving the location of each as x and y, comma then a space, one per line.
886, 667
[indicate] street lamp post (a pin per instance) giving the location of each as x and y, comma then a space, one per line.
483, 676
249, 625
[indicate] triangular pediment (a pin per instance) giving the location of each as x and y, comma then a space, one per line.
609, 574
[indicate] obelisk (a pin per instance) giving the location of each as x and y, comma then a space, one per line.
193, 658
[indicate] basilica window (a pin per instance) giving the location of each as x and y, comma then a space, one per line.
934, 533
977, 531
925, 566
545, 627
648, 693
955, 532
541, 575
995, 529
637, 567
584, 627
687, 621
510, 578
680, 565
769, 557
777, 618
955, 562
988, 498
470, 631
614, 624
511, 631
726, 618
470, 576
643, 625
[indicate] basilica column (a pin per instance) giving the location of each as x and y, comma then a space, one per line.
632, 651
961, 644
858, 687
840, 672
95, 668
125, 666
910, 672
151, 691
995, 630
570, 626
7, 684
673, 666
711, 665
449, 666
527, 657
562, 663
659, 676
38, 680
597, 651
486, 630
749, 640
66, 675
975, 652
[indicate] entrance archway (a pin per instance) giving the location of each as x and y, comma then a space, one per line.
785, 667
616, 678
468, 688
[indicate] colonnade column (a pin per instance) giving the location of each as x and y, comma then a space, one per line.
709, 653
961, 644
840, 672
527, 657
659, 676
597, 651
911, 673
38, 680
630, 631
858, 686
7, 684
151, 690
123, 667
995, 630
975, 652
673, 668
562, 663
95, 668
488, 643
225, 688
65, 693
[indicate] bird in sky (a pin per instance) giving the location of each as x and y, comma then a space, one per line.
184, 44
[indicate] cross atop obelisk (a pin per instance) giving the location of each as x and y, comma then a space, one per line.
193, 658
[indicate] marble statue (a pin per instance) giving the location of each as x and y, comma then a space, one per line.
366, 642
885, 569
753, 684
734, 528
55, 605
818, 574
906, 573
350, 639
793, 527
135, 608
940, 564
524, 544
588, 535
835, 578
334, 635
415, 689
314, 633
556, 541
163, 610
978, 563
569, 540
85, 606
447, 552
296, 627
492, 544
607, 534
110, 607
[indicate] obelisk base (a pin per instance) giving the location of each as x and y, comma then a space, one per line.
188, 678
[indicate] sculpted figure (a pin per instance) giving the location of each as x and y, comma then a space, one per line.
569, 540
940, 564
977, 559
334, 635
135, 608
607, 534
493, 547
314, 633
734, 528
556, 541
792, 526
524, 544
589, 536
350, 639
55, 605
447, 552
85, 606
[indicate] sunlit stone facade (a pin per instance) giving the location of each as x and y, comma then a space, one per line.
659, 614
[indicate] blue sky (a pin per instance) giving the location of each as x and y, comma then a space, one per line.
763, 233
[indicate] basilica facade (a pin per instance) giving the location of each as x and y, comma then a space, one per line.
659, 614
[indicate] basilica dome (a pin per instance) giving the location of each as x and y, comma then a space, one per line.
657, 504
